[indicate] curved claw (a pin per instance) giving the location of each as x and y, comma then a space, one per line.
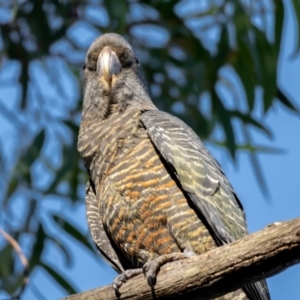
123, 277
151, 268
118, 281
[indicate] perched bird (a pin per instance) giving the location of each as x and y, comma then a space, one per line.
155, 193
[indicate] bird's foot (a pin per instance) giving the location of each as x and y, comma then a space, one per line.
151, 268
122, 278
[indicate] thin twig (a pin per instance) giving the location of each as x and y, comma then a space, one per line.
16, 246
22, 257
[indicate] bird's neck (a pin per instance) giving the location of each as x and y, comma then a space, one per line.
130, 95
102, 103
110, 120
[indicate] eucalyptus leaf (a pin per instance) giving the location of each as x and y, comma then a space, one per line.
60, 280
72, 231
38, 246
283, 99
296, 11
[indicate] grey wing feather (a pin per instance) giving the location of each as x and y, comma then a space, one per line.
201, 177
105, 246
199, 174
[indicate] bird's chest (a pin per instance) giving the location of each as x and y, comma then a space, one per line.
103, 144
142, 207
140, 204
134, 197
130, 169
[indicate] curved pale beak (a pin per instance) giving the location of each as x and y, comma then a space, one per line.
108, 64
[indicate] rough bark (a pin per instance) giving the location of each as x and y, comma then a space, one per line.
219, 271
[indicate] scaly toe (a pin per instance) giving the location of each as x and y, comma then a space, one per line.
150, 270
122, 278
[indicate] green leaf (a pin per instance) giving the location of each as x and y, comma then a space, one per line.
256, 166
260, 149
247, 82
12, 186
259, 173
63, 248
73, 126
10, 280
244, 65
282, 98
251, 148
12, 284
247, 119
268, 67
279, 18
6, 261
61, 175
38, 247
241, 19
296, 10
223, 48
74, 232
24, 80
34, 150
32, 206
117, 14
225, 120
59, 279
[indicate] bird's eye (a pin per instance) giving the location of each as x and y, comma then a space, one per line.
90, 67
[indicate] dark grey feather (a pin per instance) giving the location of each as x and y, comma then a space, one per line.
201, 177
104, 244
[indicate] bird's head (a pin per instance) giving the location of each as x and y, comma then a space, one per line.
113, 75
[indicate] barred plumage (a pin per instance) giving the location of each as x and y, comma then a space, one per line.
154, 189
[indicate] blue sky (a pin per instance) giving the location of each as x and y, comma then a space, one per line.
282, 173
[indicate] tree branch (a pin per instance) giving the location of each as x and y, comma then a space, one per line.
218, 271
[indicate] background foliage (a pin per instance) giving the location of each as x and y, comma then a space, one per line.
212, 63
